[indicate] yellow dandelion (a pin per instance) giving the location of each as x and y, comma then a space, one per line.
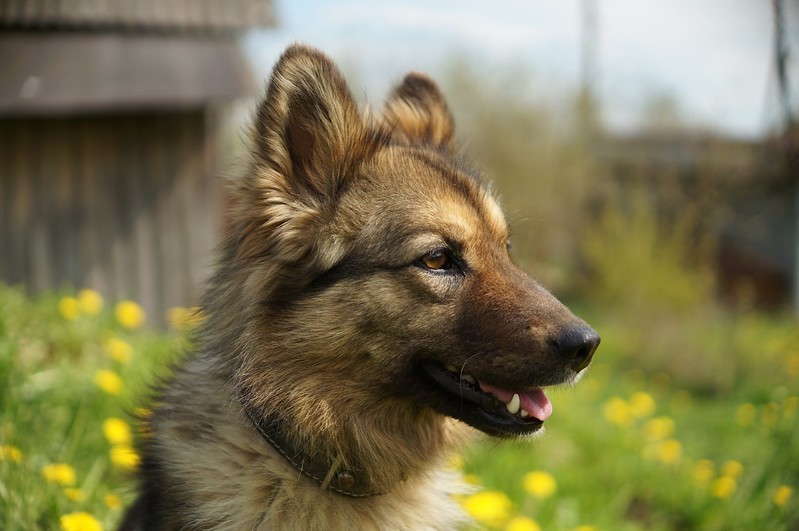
723, 487
80, 521
59, 473
539, 484
658, 428
108, 381
90, 302
618, 412
10, 453
782, 495
117, 431
745, 415
455, 462
769, 414
69, 308
112, 501
118, 349
585, 528
732, 469
522, 523
184, 318
490, 507
129, 314
125, 457
704, 470
471, 479
669, 451
76, 495
642, 405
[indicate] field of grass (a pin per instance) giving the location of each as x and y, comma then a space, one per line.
625, 449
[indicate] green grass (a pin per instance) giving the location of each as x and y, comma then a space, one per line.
613, 467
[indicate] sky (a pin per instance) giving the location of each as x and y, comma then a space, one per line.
714, 58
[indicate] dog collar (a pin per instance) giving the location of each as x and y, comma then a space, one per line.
330, 473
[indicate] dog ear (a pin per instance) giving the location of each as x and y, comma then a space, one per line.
418, 113
309, 139
308, 127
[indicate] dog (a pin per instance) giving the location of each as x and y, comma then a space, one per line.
364, 315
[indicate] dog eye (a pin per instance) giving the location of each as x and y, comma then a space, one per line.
436, 260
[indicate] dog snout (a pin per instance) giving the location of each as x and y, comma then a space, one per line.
577, 345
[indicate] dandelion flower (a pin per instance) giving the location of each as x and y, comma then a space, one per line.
90, 302
112, 501
455, 462
118, 349
125, 457
116, 431
60, 473
585, 528
539, 484
69, 308
723, 487
669, 451
10, 453
704, 470
732, 469
658, 428
108, 381
642, 405
129, 314
745, 415
184, 318
522, 523
618, 412
80, 521
489, 507
782, 495
471, 479
76, 495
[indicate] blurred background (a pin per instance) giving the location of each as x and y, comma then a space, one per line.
117, 120
645, 152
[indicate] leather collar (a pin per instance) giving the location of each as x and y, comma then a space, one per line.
329, 472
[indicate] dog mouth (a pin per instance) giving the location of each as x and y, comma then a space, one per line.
492, 409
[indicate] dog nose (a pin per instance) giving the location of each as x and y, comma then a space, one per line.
577, 346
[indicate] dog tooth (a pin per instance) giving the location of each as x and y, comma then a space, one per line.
514, 404
468, 378
523, 413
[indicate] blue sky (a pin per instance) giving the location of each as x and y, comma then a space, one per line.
713, 56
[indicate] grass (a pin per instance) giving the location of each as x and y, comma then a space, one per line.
625, 449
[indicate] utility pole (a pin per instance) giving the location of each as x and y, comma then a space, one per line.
790, 130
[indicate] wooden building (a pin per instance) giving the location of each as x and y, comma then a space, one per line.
109, 118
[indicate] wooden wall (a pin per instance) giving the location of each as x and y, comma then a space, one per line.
128, 205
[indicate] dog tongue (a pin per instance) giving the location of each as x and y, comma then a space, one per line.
535, 402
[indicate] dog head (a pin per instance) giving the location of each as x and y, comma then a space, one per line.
378, 281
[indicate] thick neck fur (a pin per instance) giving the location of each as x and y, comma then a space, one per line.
307, 382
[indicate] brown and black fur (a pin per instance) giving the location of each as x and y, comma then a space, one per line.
324, 308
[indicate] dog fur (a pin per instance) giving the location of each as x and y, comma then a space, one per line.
362, 249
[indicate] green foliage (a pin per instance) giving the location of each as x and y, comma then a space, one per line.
54, 409
640, 265
530, 152
625, 449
